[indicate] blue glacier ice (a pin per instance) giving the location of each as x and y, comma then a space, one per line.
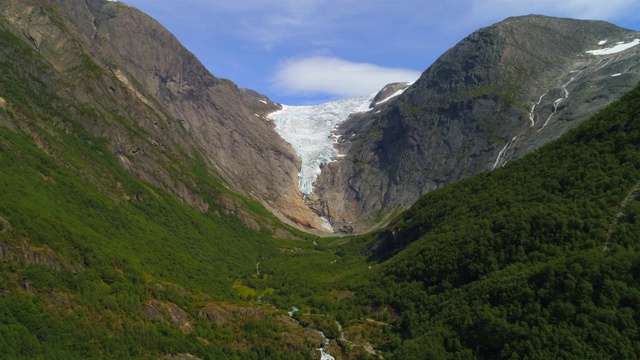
309, 130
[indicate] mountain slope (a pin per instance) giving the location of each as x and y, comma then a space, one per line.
499, 94
159, 107
538, 259
88, 249
119, 236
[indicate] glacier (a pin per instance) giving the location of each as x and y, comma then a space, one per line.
309, 130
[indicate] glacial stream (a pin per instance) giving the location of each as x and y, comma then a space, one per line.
600, 59
323, 355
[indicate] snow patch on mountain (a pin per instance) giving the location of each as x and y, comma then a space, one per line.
621, 46
397, 93
309, 129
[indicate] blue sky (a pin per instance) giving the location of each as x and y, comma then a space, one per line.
311, 51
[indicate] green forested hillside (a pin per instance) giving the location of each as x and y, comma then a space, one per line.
538, 259
97, 263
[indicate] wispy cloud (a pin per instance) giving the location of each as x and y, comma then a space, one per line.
245, 40
336, 77
271, 23
277, 22
481, 11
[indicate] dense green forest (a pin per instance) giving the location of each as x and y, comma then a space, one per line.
538, 259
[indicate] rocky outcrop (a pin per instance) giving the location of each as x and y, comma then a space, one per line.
21, 251
185, 356
166, 311
219, 314
5, 226
497, 95
161, 110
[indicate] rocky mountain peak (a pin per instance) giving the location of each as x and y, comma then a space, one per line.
497, 95
130, 67
388, 92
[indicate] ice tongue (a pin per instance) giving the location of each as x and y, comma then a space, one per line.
309, 130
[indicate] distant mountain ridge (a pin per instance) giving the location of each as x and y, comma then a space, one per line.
499, 94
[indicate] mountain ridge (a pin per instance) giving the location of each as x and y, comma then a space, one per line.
477, 107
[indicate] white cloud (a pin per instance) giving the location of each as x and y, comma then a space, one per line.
336, 77
271, 23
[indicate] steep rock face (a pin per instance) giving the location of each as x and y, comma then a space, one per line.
497, 95
159, 108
